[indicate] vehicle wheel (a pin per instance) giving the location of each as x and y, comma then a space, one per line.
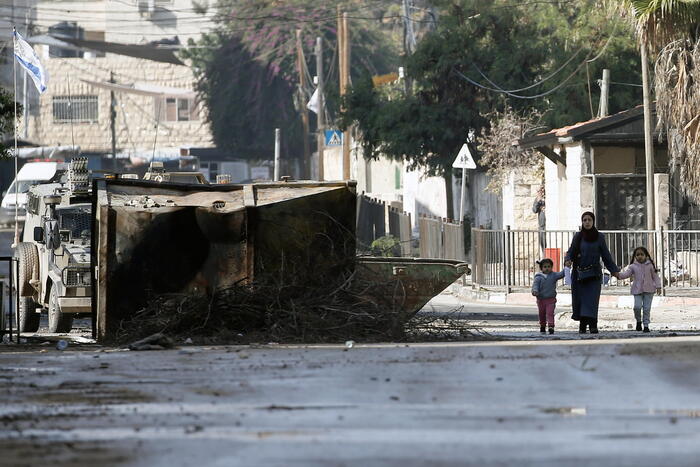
58, 322
28, 317
28, 268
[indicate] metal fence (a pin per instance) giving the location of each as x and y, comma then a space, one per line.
441, 238
376, 219
507, 258
400, 227
9, 301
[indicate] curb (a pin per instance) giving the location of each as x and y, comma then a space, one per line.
564, 299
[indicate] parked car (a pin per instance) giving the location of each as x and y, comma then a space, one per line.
30, 174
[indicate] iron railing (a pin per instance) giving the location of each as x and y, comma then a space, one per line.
507, 258
11, 313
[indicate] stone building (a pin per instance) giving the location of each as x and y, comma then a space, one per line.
154, 107
115, 66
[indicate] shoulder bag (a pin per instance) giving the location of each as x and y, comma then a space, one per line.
589, 273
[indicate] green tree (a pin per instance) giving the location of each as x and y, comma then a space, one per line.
480, 48
247, 72
6, 120
670, 29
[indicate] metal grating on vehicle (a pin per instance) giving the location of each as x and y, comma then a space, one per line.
76, 276
77, 221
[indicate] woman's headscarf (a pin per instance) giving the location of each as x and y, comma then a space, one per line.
590, 235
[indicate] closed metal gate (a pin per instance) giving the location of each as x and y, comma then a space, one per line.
621, 202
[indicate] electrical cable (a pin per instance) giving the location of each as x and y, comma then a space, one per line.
498, 89
517, 96
627, 84
538, 82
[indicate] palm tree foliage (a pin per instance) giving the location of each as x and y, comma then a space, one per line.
671, 29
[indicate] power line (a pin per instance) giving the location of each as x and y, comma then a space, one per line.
499, 89
517, 96
69, 15
538, 82
626, 84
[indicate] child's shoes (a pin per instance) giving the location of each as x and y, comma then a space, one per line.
551, 330
639, 325
646, 329
542, 328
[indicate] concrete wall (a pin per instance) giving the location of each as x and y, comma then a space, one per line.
333, 163
484, 208
423, 194
90, 15
614, 159
662, 201
555, 194
170, 18
124, 22
568, 191
572, 208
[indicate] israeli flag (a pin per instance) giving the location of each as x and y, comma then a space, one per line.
29, 60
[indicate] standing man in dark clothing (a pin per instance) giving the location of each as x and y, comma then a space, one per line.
538, 208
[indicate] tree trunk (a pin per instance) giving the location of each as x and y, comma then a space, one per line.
448, 194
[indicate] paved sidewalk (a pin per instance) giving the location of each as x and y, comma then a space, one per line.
669, 315
691, 301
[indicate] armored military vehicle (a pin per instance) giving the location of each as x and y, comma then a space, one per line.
54, 254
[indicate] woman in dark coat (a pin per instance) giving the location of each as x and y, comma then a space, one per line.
587, 248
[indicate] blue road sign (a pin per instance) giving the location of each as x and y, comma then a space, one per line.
334, 138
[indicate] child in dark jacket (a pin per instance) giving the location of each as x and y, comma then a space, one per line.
544, 287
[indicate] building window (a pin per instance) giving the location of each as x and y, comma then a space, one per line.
177, 109
398, 182
76, 109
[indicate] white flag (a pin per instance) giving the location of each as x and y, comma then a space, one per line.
313, 102
29, 60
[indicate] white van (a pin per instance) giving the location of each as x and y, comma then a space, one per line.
31, 173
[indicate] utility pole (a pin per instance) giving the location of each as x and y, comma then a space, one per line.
648, 140
321, 106
344, 69
306, 163
112, 119
277, 154
410, 36
604, 91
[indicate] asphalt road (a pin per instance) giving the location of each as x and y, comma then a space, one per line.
627, 402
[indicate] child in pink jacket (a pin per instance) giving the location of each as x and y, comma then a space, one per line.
646, 281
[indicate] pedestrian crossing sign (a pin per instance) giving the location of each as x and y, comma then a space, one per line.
464, 159
334, 138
